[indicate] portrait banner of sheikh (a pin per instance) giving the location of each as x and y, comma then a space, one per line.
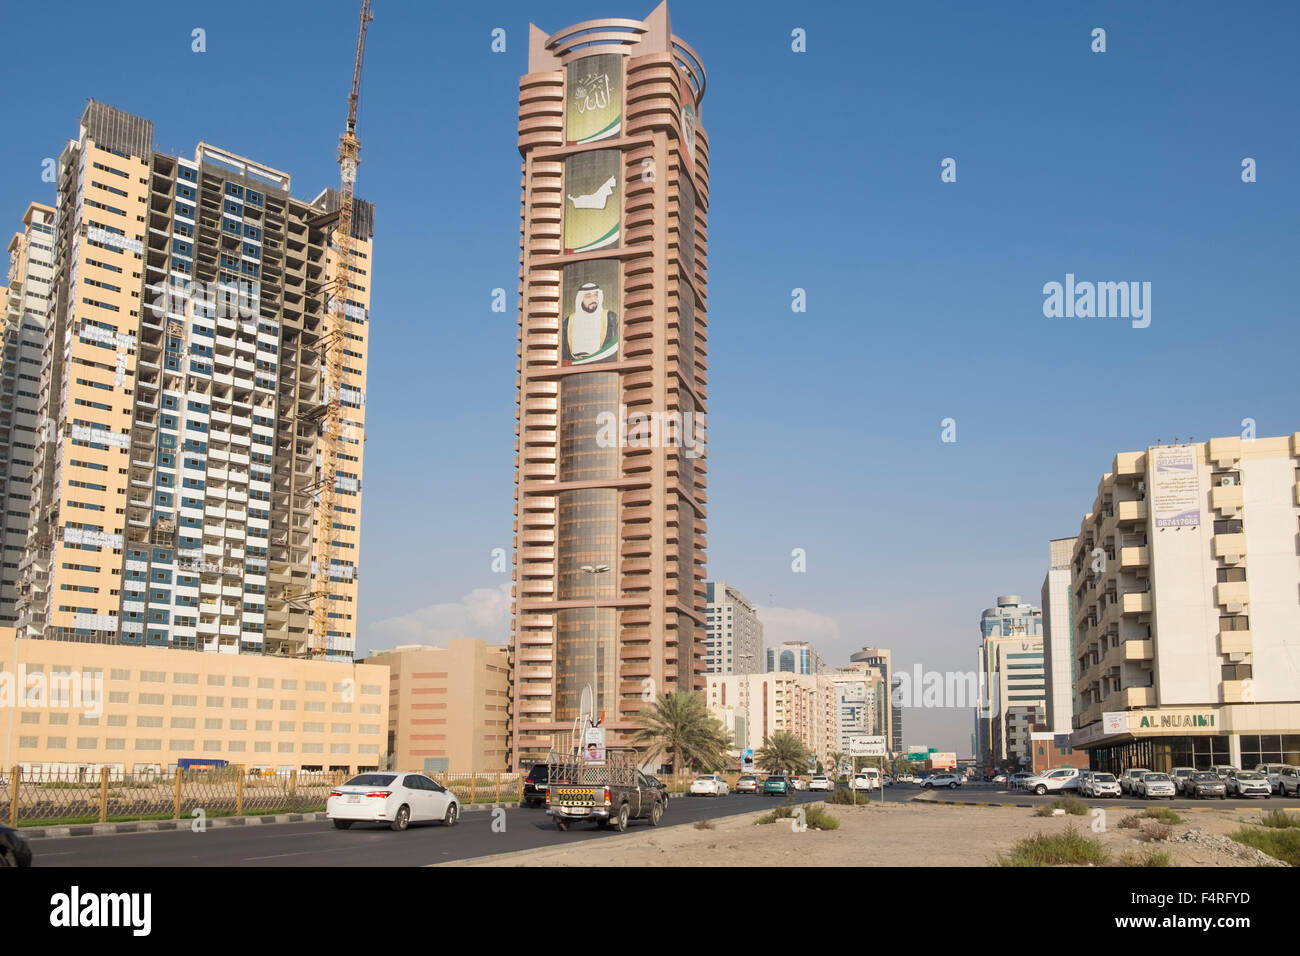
593, 200
590, 310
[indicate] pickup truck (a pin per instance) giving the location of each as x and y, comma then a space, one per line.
610, 796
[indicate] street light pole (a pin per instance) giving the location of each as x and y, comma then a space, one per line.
745, 746
594, 570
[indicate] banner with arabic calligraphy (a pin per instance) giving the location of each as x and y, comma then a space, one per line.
594, 101
593, 200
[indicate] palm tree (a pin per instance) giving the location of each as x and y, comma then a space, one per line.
783, 752
837, 760
680, 727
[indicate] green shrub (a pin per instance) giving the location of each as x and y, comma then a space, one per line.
843, 796
1279, 820
1281, 844
1155, 832
1149, 858
1159, 814
1073, 806
814, 816
818, 819
1070, 848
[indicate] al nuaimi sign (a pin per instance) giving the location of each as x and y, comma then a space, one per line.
1176, 721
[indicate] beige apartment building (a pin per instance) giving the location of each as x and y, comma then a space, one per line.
755, 706
610, 503
1185, 594
74, 707
449, 707
173, 489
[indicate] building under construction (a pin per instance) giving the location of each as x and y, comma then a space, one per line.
197, 473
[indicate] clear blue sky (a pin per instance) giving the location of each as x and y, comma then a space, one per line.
924, 298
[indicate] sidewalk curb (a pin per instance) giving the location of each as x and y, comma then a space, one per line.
926, 798
160, 826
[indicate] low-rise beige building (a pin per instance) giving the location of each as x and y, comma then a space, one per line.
70, 707
449, 707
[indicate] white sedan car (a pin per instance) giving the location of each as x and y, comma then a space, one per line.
820, 782
398, 799
708, 783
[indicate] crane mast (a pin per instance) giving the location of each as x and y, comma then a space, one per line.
332, 366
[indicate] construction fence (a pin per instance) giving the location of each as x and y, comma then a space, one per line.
50, 798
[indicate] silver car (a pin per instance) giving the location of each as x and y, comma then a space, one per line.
1153, 786
1288, 782
1103, 785
1274, 773
1249, 783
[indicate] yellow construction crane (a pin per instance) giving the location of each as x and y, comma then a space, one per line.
331, 344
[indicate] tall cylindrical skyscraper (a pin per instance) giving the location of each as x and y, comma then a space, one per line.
610, 477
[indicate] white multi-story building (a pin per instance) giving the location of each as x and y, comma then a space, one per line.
1058, 637
1010, 668
1187, 634
756, 706
794, 657
27, 304
734, 635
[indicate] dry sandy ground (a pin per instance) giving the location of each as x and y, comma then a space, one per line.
906, 834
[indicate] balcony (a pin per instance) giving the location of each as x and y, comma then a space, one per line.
1137, 697
1230, 547
1139, 650
1226, 499
1236, 692
1132, 558
1136, 602
1228, 593
1132, 511
1235, 642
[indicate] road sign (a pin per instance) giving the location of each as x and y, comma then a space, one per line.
863, 746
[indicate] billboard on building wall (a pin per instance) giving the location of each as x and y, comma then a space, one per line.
594, 99
1176, 491
589, 312
593, 200
690, 122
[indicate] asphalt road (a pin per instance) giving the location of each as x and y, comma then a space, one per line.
319, 844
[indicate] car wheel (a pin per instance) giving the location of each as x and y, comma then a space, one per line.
1040, 790
929, 786
1223, 796
342, 824
656, 814
403, 819
623, 817
452, 817
952, 786
562, 825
